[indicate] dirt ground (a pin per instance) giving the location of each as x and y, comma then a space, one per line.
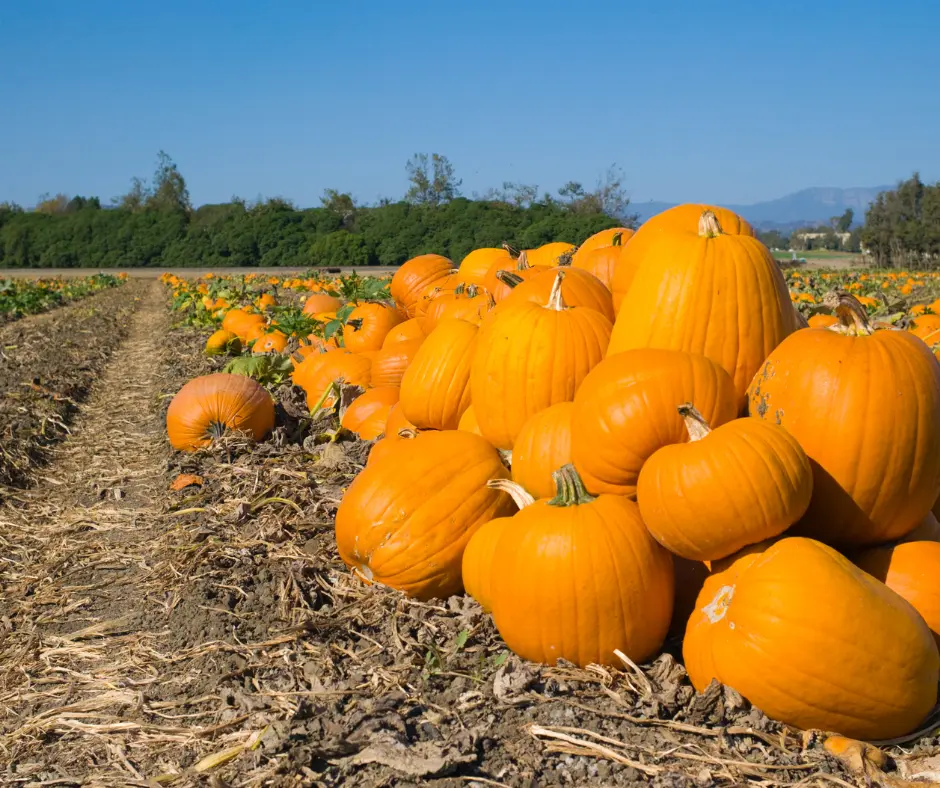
211, 635
186, 273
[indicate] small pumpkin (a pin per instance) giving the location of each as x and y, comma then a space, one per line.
863, 664
397, 422
368, 325
367, 414
221, 342
602, 261
209, 406
578, 578
542, 447
600, 240
321, 302
414, 277
270, 342
744, 482
406, 518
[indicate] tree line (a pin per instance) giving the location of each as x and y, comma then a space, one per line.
902, 226
155, 224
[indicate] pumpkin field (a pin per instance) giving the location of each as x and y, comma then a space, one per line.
648, 510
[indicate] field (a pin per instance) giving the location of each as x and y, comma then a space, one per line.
185, 618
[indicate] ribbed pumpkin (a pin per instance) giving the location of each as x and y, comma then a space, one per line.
315, 373
406, 518
521, 269
682, 218
744, 482
472, 304
389, 364
435, 389
814, 642
865, 406
541, 448
577, 578
580, 288
928, 530
480, 551
911, 570
603, 261
409, 329
321, 302
211, 405
475, 266
368, 325
223, 341
626, 410
549, 254
601, 239
708, 292
270, 342
468, 422
414, 277
367, 414
397, 422
531, 356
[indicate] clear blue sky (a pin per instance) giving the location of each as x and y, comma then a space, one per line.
729, 102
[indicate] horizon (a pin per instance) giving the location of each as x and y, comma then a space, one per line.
265, 105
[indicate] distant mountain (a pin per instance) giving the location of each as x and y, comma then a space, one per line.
806, 207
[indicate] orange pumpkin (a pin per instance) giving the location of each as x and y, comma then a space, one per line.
223, 341
626, 410
579, 578
211, 405
682, 218
928, 530
496, 283
389, 364
435, 388
602, 261
474, 267
864, 663
468, 422
600, 240
397, 423
271, 342
865, 407
925, 325
822, 320
414, 278
321, 302
472, 305
367, 414
708, 292
579, 288
530, 356
744, 482
408, 329
542, 447
368, 325
315, 374
406, 518
549, 254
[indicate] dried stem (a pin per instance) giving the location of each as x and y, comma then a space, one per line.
708, 225
695, 422
517, 492
853, 319
555, 299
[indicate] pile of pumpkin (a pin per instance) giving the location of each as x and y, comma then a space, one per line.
703, 463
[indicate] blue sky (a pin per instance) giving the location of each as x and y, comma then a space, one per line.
732, 102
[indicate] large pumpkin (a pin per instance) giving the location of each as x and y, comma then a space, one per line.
708, 292
368, 325
626, 410
578, 578
414, 278
865, 406
531, 356
579, 288
682, 218
211, 405
406, 518
744, 482
814, 642
435, 389
367, 414
541, 448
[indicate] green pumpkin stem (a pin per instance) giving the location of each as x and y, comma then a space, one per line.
708, 225
853, 319
569, 489
512, 252
695, 422
617, 240
555, 299
216, 429
509, 278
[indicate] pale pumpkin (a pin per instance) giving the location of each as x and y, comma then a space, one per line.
542, 447
625, 410
744, 482
865, 407
406, 518
863, 664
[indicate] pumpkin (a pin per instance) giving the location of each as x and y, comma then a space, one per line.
368, 325
549, 254
864, 663
579, 288
481, 549
578, 578
925, 325
468, 422
210, 406
683, 218
602, 261
530, 356
542, 447
270, 342
600, 240
321, 302
408, 329
406, 518
244, 324
265, 301
389, 364
367, 414
496, 282
708, 292
435, 388
475, 266
744, 482
865, 407
928, 530
384, 445
397, 422
223, 341
472, 304
822, 320
626, 410
315, 374
254, 332
414, 277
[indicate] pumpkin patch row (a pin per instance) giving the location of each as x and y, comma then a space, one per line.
636, 438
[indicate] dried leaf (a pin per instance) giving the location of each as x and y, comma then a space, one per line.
185, 480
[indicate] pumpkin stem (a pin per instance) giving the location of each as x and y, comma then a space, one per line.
569, 489
459, 290
512, 252
523, 262
216, 429
471, 291
695, 422
555, 300
853, 319
517, 492
407, 434
323, 397
617, 240
509, 278
708, 225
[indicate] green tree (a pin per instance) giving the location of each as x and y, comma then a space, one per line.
432, 180
168, 192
